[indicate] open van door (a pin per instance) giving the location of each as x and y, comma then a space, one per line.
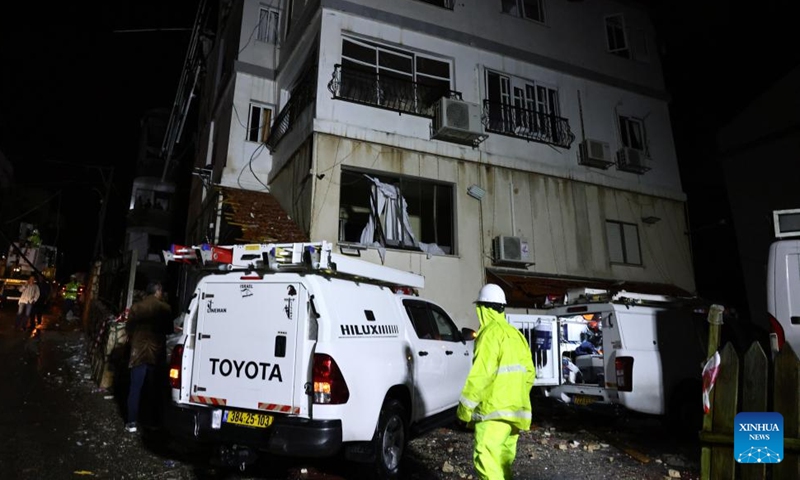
541, 332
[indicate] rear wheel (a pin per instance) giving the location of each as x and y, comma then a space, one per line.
389, 442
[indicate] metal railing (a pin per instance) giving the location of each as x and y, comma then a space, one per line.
302, 96
512, 121
387, 92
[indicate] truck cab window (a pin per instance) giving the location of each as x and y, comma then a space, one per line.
446, 328
421, 319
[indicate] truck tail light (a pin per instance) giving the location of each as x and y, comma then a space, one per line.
777, 329
624, 368
329, 384
175, 366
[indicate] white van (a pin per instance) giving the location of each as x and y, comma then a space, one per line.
297, 351
783, 292
649, 359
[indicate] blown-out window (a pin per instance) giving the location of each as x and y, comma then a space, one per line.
398, 212
259, 122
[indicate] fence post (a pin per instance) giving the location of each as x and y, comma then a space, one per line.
754, 398
714, 327
786, 402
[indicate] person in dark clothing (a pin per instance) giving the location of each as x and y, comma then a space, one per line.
149, 322
42, 304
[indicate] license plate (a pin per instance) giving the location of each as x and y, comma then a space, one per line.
583, 400
247, 419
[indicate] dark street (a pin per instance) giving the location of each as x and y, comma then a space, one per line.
55, 423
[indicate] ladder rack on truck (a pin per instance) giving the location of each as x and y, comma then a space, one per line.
314, 257
591, 295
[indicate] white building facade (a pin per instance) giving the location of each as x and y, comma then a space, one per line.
526, 143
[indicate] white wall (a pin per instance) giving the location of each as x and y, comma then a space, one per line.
573, 33
251, 50
600, 103
243, 155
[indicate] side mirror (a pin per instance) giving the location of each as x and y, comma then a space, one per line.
468, 334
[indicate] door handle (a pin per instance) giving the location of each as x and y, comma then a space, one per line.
448, 352
423, 353
201, 336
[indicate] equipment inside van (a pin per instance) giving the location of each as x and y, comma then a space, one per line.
641, 352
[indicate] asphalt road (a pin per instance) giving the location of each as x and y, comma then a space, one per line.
55, 423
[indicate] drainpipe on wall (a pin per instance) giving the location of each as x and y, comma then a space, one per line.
511, 200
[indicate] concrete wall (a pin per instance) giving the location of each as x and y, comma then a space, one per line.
572, 39
247, 164
564, 221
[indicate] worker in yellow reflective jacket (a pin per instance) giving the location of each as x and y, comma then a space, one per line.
496, 396
71, 291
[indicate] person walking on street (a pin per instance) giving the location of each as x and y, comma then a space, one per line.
28, 296
149, 321
496, 396
42, 303
70, 296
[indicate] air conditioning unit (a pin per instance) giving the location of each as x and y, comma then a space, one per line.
457, 121
510, 250
632, 160
595, 153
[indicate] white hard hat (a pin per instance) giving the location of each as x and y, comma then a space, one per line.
491, 293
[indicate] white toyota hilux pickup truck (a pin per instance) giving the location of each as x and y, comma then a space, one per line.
294, 350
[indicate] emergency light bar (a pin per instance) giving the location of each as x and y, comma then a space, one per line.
278, 257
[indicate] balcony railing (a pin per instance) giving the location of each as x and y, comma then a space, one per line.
302, 96
504, 119
388, 92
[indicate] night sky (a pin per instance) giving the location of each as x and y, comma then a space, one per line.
77, 78
74, 87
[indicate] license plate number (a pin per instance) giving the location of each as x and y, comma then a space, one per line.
247, 419
583, 400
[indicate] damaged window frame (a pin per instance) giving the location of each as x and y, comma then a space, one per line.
436, 223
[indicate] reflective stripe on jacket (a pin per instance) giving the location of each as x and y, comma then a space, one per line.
71, 291
499, 384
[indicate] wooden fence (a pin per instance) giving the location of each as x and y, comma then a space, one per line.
109, 292
755, 383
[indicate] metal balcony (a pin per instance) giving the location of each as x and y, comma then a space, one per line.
302, 96
387, 92
530, 125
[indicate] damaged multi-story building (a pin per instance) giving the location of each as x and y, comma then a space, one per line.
521, 142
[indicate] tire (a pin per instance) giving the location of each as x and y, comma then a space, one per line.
389, 442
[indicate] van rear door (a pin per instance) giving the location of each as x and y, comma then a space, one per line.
541, 332
245, 349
